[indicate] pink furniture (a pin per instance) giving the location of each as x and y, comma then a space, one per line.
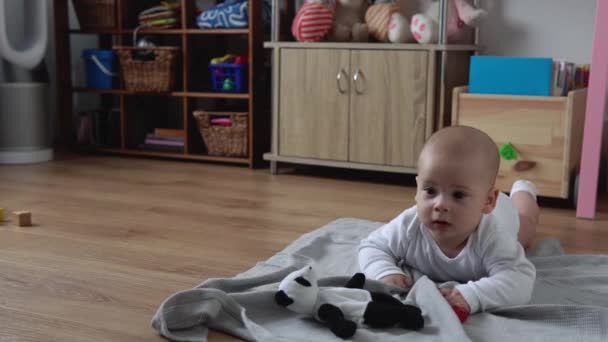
594, 118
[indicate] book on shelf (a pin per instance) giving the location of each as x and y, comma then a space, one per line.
164, 139
161, 148
163, 142
568, 76
160, 137
169, 132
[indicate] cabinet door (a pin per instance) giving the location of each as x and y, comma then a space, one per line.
313, 112
387, 106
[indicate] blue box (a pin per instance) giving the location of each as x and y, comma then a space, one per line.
510, 75
229, 78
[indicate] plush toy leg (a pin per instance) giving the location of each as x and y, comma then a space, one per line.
356, 282
386, 311
399, 30
467, 13
341, 33
334, 318
424, 29
360, 33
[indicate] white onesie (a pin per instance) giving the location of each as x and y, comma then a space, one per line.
492, 268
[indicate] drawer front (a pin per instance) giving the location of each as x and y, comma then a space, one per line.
536, 128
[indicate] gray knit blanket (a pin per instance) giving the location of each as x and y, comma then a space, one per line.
569, 303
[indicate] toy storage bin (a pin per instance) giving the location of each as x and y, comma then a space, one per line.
229, 78
148, 69
95, 14
546, 132
227, 141
99, 66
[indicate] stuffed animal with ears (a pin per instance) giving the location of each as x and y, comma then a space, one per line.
343, 309
349, 24
425, 26
386, 22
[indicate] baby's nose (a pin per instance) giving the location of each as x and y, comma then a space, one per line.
441, 204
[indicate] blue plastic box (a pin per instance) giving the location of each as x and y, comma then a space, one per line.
510, 75
229, 78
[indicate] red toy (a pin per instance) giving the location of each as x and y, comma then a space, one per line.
461, 313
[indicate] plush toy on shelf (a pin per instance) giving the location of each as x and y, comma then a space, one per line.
341, 309
386, 23
313, 22
425, 26
349, 22
399, 29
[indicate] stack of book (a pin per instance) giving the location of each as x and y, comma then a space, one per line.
165, 139
569, 76
164, 16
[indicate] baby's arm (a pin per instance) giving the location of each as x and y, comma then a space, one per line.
380, 252
510, 276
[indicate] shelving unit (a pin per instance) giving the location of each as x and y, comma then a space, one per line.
192, 91
379, 102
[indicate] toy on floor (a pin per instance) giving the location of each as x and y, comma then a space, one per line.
342, 309
1, 215
425, 26
461, 313
22, 218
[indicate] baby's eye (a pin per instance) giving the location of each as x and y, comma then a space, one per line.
459, 195
429, 190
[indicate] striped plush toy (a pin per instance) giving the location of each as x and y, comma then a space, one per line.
313, 21
377, 18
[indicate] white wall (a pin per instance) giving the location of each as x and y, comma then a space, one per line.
539, 28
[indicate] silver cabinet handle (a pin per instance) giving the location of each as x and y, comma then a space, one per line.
341, 75
359, 79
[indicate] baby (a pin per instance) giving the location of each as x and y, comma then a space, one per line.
461, 228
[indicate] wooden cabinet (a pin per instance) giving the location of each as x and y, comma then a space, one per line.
387, 106
363, 106
546, 131
313, 111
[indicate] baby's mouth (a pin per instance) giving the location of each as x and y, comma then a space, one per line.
441, 223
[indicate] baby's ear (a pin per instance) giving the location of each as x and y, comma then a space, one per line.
490, 202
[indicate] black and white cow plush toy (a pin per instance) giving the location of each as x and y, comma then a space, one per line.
343, 308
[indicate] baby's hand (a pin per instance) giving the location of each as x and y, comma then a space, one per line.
397, 280
455, 299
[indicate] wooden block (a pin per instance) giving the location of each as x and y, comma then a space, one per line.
1, 215
22, 218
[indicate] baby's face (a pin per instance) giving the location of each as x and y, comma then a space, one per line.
451, 196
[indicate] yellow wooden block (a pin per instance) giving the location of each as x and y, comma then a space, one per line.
22, 218
1, 215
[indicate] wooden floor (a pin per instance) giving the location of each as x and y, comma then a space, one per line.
113, 237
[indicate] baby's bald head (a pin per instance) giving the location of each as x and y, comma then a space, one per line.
467, 145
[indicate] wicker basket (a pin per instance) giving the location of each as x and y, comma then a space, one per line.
155, 73
95, 14
221, 140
